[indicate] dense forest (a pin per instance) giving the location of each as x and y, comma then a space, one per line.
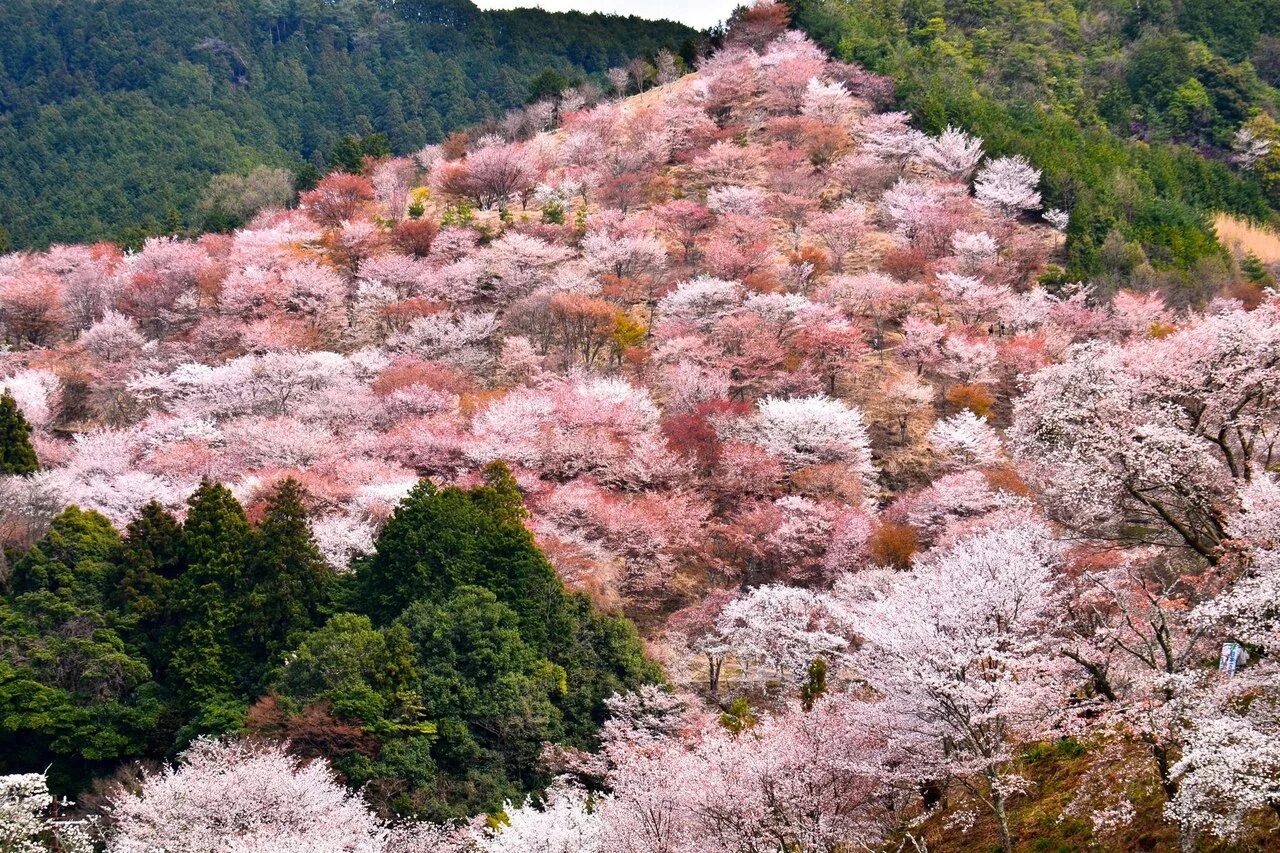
115, 114
746, 459
432, 675
1132, 110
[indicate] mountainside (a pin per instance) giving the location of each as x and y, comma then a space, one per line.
724, 468
114, 114
1133, 111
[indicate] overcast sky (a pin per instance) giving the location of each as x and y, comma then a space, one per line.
695, 13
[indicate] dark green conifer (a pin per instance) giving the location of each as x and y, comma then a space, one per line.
147, 562
205, 643
288, 578
815, 686
17, 456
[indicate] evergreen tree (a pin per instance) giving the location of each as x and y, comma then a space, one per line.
147, 561
549, 84
441, 539
206, 653
288, 578
72, 560
502, 496
347, 155
74, 692
17, 456
491, 696
172, 221
815, 686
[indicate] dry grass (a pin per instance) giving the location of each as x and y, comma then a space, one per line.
1242, 237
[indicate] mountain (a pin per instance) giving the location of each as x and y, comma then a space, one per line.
1131, 110
114, 114
724, 467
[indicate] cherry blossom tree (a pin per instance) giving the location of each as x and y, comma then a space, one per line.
1159, 432
1007, 185
253, 797
809, 430
953, 154
889, 136
840, 230
783, 629
28, 823
564, 824
1230, 766
966, 439
962, 647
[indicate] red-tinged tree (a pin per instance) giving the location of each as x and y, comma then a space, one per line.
490, 176
831, 344
30, 307
775, 541
753, 359
683, 221
415, 236
338, 197
756, 25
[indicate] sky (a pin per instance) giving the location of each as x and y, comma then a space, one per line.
696, 13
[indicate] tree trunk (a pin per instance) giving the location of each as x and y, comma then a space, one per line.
1002, 818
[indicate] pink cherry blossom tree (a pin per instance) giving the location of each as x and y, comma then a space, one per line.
962, 647
256, 797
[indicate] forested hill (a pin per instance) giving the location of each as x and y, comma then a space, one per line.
114, 114
1134, 111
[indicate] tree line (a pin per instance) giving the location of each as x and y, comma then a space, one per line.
114, 116
433, 673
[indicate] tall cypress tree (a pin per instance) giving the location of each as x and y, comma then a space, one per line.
147, 561
288, 578
17, 456
207, 599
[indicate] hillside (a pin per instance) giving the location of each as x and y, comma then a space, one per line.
114, 114
719, 469
1133, 110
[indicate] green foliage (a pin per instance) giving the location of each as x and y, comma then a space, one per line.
493, 697
553, 213
739, 716
206, 643
549, 84
1255, 271
350, 152
506, 658
72, 561
362, 673
149, 560
17, 456
172, 93
71, 682
464, 656
230, 200
287, 575
1108, 117
458, 215
815, 685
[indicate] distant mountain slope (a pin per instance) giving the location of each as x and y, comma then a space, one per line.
114, 112
1131, 109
